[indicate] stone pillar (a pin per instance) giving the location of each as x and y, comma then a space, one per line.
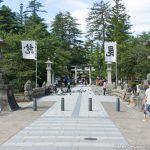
148, 76
49, 76
53, 77
109, 73
90, 80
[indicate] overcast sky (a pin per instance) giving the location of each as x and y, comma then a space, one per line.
139, 10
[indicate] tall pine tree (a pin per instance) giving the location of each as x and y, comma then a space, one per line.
119, 31
34, 8
8, 20
119, 24
64, 27
97, 21
32, 19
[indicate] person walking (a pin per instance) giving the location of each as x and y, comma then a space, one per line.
144, 110
104, 87
68, 88
138, 91
147, 99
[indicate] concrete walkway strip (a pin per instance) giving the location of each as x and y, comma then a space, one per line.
76, 128
77, 106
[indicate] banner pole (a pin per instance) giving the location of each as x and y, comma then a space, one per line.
116, 75
36, 64
116, 68
36, 72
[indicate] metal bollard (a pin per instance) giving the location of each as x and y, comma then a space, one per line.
117, 104
62, 104
34, 104
90, 104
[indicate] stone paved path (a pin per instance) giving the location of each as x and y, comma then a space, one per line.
76, 128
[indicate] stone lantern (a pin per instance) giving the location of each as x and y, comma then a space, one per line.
109, 69
49, 69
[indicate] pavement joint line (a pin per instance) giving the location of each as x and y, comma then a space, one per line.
61, 132
77, 106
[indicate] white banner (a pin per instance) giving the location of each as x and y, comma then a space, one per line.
29, 49
110, 51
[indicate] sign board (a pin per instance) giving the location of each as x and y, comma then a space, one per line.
110, 51
29, 49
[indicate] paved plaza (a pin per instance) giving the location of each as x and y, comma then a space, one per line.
76, 128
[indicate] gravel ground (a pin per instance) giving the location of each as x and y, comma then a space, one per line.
13, 122
130, 123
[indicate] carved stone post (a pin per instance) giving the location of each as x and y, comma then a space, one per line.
49, 76
109, 73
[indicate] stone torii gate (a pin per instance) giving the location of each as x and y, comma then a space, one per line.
81, 69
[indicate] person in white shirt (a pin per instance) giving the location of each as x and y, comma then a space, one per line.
138, 89
147, 100
104, 87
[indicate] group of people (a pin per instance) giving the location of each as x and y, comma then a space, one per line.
146, 100
146, 103
50, 90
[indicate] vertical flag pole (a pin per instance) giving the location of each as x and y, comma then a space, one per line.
36, 72
116, 72
29, 51
116, 67
110, 57
36, 64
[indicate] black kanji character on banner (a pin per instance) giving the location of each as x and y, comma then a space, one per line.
29, 49
110, 51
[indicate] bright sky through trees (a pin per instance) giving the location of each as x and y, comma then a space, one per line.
138, 10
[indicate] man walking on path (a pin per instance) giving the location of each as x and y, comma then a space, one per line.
147, 99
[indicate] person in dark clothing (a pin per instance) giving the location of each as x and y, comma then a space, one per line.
68, 87
48, 91
66, 81
55, 88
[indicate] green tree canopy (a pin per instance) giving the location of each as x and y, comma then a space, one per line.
34, 7
97, 21
134, 62
119, 24
64, 27
31, 17
8, 20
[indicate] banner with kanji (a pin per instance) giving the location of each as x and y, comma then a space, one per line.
110, 51
29, 49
